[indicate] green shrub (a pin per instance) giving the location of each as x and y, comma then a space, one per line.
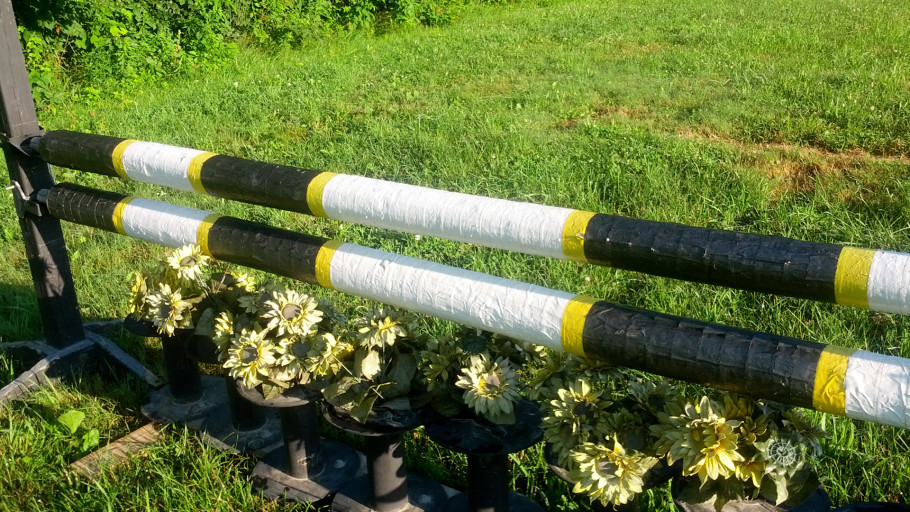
105, 41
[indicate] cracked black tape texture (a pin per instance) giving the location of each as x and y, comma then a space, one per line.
84, 205
752, 363
81, 151
760, 263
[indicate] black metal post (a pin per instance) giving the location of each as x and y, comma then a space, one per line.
43, 237
300, 429
488, 480
386, 472
245, 415
182, 372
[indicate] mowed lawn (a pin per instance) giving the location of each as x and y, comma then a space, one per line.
782, 118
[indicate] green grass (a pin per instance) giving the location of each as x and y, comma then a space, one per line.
790, 120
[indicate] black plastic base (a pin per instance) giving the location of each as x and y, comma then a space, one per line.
211, 416
271, 478
517, 503
219, 431
424, 494
163, 407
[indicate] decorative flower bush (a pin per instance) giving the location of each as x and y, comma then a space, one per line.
380, 365
739, 448
267, 335
596, 422
476, 371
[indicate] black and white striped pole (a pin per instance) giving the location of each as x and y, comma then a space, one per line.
853, 383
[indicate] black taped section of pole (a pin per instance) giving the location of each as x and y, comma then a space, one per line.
42, 235
759, 263
84, 205
277, 186
82, 151
758, 364
271, 249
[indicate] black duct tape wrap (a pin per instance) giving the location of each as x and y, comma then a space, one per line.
266, 248
83, 205
81, 151
278, 186
738, 360
753, 262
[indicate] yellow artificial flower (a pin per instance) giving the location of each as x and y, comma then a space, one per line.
168, 311
384, 327
491, 388
188, 261
611, 476
292, 313
250, 357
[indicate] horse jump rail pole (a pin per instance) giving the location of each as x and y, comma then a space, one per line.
878, 280
853, 383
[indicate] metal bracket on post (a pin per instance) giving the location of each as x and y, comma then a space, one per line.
25, 203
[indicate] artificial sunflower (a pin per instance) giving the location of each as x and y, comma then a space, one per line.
609, 475
292, 313
250, 357
188, 262
384, 328
168, 311
491, 388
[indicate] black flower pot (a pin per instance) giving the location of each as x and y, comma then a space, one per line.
818, 501
387, 486
487, 446
306, 468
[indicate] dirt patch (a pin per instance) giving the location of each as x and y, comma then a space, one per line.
604, 113
796, 167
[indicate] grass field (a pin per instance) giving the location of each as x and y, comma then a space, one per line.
792, 120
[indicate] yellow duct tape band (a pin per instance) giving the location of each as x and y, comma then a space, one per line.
314, 193
324, 263
194, 171
202, 234
828, 394
573, 324
851, 281
117, 217
117, 158
573, 235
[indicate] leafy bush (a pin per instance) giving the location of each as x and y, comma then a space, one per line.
96, 41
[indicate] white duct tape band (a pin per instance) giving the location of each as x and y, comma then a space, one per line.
499, 223
520, 310
877, 388
889, 282
159, 164
162, 223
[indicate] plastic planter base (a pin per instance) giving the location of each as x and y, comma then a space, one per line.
163, 407
424, 494
219, 431
272, 478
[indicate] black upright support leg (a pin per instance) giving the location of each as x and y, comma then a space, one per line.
488, 480
182, 372
43, 237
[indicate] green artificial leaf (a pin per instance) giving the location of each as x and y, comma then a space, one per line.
269, 391
371, 364
363, 404
447, 406
501, 418
205, 326
71, 419
400, 403
90, 440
